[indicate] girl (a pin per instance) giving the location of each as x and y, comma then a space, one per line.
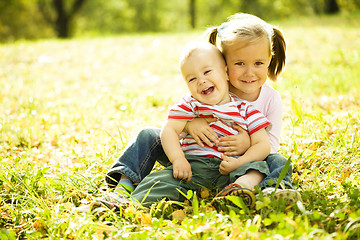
254, 51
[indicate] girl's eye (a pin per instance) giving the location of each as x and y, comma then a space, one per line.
192, 79
259, 63
239, 63
206, 72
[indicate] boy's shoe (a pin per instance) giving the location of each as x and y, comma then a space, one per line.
291, 196
234, 189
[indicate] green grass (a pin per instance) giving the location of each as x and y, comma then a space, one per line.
68, 108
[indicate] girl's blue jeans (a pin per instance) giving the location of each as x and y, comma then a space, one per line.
141, 153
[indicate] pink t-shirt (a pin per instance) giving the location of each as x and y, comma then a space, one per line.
269, 103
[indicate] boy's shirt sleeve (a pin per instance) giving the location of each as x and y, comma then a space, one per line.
182, 109
255, 120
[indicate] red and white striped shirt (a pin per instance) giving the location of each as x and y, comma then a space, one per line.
236, 111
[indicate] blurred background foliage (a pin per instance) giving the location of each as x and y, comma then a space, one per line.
34, 19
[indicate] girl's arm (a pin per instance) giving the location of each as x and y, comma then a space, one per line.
235, 145
258, 151
200, 130
171, 145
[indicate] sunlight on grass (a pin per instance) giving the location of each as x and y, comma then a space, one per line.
69, 107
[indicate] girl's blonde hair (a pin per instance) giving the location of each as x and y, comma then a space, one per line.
249, 28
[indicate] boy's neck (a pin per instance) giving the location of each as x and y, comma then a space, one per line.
224, 101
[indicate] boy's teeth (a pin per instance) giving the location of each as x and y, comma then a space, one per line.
207, 90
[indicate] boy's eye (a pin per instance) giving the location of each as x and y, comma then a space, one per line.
239, 63
206, 72
192, 79
259, 63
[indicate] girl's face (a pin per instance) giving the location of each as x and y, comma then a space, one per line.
248, 68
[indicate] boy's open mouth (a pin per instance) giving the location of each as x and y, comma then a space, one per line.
208, 90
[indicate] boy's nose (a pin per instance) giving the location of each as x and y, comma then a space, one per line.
202, 80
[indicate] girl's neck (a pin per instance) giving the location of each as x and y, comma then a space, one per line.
250, 97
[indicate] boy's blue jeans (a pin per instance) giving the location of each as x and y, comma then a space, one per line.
141, 153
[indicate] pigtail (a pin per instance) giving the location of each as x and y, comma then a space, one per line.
211, 35
277, 62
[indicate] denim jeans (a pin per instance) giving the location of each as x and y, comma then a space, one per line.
141, 153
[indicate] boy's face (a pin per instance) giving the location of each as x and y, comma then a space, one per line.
205, 74
248, 68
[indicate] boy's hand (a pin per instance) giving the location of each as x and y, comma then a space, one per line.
202, 133
235, 145
182, 169
228, 164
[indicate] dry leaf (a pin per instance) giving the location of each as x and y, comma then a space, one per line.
178, 215
204, 193
39, 226
145, 219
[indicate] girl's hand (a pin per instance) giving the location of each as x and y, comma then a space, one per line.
182, 169
228, 164
200, 130
235, 145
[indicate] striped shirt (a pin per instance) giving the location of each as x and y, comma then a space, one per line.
236, 111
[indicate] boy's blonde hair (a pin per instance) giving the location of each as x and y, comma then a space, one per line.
250, 29
193, 46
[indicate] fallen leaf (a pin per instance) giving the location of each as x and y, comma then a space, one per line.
204, 193
178, 215
145, 219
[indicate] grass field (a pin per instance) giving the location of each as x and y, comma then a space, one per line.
69, 107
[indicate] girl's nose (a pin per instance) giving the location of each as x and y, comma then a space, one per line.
249, 71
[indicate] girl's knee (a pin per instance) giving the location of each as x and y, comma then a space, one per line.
149, 132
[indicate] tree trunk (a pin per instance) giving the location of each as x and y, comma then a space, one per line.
192, 12
331, 6
63, 19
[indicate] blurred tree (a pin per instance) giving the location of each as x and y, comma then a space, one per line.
64, 14
32, 19
20, 19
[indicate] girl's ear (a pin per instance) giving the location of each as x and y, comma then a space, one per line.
227, 72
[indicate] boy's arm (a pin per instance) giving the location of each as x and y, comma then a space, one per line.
259, 147
258, 151
171, 145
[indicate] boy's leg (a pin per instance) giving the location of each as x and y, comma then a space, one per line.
276, 163
244, 179
251, 179
138, 158
161, 184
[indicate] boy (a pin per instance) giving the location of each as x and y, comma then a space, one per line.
204, 70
